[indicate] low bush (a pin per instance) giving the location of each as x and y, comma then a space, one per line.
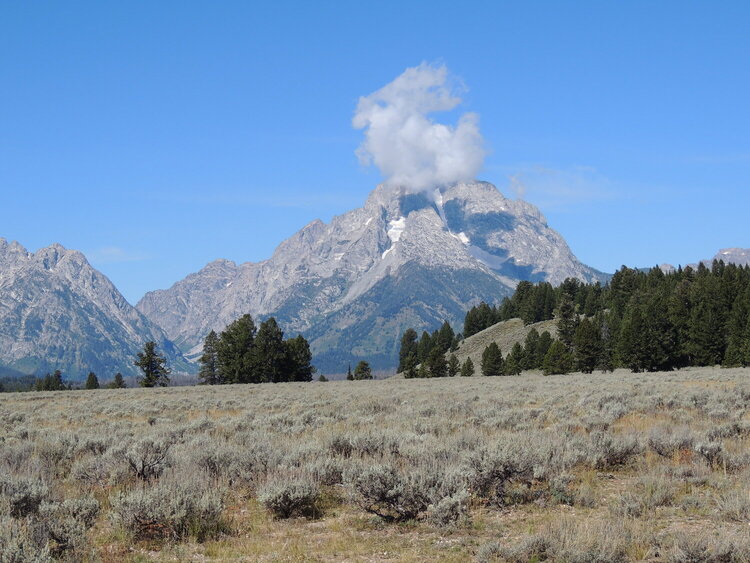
172, 509
287, 496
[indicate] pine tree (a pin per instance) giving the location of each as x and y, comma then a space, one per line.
424, 347
362, 371
515, 360
411, 371
322, 378
445, 338
453, 366
209, 361
530, 350
543, 346
567, 321
92, 382
606, 356
409, 350
557, 360
235, 352
436, 364
118, 382
492, 360
706, 333
349, 374
269, 353
467, 369
153, 366
587, 344
299, 358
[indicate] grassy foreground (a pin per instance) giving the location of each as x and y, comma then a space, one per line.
616, 467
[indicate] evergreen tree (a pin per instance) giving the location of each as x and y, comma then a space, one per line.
322, 378
209, 360
445, 338
746, 347
269, 353
467, 369
557, 360
436, 364
349, 374
362, 371
606, 356
587, 344
734, 356
530, 350
92, 382
567, 321
51, 382
543, 346
153, 366
118, 382
411, 371
514, 361
424, 347
235, 352
409, 351
423, 372
453, 366
492, 360
299, 358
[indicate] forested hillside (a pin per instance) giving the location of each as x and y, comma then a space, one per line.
644, 321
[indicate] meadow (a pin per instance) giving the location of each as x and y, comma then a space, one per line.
580, 468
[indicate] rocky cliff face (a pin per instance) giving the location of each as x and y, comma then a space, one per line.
354, 285
57, 312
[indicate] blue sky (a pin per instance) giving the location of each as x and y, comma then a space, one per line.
158, 136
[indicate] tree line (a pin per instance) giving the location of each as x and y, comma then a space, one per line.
641, 320
243, 353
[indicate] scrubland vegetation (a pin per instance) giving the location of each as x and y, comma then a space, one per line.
614, 467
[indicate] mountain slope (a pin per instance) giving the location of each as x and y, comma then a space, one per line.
58, 312
352, 286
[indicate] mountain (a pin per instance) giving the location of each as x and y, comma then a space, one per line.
739, 256
354, 285
58, 312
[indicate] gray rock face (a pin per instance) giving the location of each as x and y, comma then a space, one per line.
353, 286
739, 256
57, 312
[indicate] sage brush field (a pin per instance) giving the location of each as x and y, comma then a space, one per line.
614, 467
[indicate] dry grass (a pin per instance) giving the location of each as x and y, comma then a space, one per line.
598, 467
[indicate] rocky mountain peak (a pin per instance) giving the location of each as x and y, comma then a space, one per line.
58, 312
352, 285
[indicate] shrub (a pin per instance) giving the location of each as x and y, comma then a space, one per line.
171, 509
395, 496
287, 496
66, 523
449, 510
735, 506
18, 545
148, 458
24, 495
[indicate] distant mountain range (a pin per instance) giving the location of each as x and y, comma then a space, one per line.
57, 312
739, 256
351, 287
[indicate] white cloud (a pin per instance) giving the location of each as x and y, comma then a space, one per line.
409, 148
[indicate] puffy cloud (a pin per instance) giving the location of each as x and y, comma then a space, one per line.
410, 149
